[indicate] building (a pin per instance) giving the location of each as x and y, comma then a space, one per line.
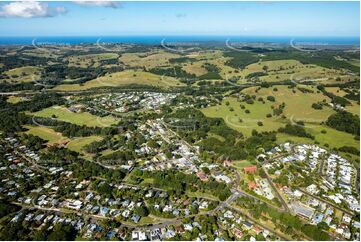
250, 169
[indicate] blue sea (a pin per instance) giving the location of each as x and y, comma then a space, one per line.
156, 40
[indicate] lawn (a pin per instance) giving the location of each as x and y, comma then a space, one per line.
333, 138
84, 118
77, 144
202, 195
14, 99
123, 78
46, 133
241, 164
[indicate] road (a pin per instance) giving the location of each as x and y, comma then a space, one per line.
327, 202
258, 223
279, 196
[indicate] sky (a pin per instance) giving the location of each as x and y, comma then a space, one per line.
104, 18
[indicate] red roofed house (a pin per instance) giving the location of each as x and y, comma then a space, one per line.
252, 185
257, 230
250, 169
238, 233
201, 175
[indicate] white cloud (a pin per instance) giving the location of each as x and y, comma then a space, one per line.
107, 4
30, 9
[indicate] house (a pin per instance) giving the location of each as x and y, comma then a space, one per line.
136, 218
250, 169
238, 233
188, 227
201, 175
257, 230
252, 185
247, 225
104, 211
302, 210
227, 163
179, 229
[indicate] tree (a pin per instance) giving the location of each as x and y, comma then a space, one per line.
141, 211
62, 232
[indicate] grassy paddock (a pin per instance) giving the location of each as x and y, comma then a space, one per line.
123, 78
83, 118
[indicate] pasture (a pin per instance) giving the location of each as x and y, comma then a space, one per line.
123, 78
24, 74
91, 60
84, 118
149, 60
46, 133
77, 144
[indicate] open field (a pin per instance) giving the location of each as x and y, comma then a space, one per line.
283, 70
91, 60
123, 78
354, 62
14, 99
298, 108
77, 144
258, 112
149, 60
354, 108
23, 74
336, 90
63, 114
195, 68
298, 104
333, 138
241, 164
46, 133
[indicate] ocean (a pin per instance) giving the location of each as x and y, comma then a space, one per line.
156, 40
